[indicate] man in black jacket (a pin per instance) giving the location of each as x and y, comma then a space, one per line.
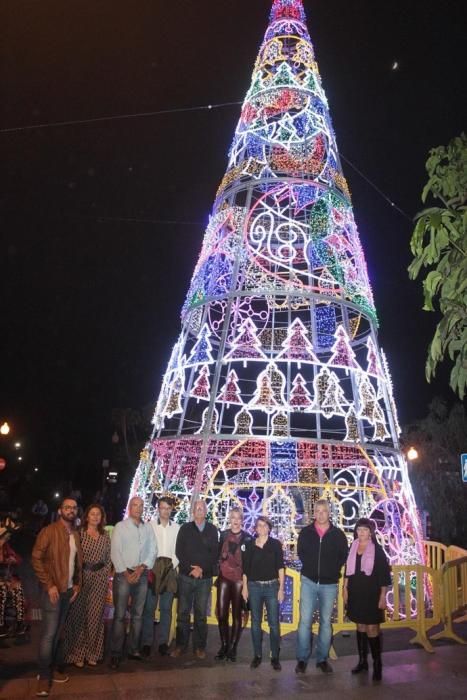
197, 551
322, 549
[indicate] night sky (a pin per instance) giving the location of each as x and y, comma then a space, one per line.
91, 298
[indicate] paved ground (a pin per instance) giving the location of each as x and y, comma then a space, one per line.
409, 673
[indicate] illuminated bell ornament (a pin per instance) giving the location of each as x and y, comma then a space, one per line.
174, 402
279, 425
214, 422
380, 431
243, 423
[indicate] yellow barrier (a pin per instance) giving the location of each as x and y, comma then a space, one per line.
453, 583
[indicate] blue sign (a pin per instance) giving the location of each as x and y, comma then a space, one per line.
464, 468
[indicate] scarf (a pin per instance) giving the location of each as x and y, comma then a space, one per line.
368, 559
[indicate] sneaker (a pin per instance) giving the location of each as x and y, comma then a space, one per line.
146, 651
59, 677
135, 657
164, 649
91, 663
276, 664
43, 688
300, 667
200, 654
324, 666
79, 664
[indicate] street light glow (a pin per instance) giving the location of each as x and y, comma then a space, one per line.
17, 445
412, 454
5, 428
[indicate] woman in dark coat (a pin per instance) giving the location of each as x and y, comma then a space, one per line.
229, 585
367, 577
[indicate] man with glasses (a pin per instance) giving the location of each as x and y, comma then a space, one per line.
57, 562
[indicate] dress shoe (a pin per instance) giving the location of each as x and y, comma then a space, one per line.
300, 667
200, 654
146, 651
43, 688
59, 677
114, 662
256, 662
324, 666
275, 663
164, 650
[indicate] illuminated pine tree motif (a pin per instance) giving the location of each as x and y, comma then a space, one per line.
247, 345
201, 387
342, 353
280, 302
263, 398
300, 396
230, 392
297, 347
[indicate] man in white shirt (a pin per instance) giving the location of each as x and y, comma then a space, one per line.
133, 551
164, 584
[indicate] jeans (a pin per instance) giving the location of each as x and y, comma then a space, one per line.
314, 596
261, 594
122, 590
193, 593
165, 609
50, 641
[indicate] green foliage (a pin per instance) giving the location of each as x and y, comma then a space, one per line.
440, 439
439, 241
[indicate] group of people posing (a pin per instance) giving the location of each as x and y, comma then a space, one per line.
154, 561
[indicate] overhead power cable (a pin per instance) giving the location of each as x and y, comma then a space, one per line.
181, 110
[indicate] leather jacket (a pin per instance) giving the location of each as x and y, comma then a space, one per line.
51, 554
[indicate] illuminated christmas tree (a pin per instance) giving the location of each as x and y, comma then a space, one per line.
279, 303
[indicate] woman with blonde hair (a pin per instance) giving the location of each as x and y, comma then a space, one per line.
230, 583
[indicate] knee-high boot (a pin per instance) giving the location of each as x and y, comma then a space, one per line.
375, 646
362, 645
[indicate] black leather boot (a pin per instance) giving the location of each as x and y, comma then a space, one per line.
362, 645
222, 653
375, 646
232, 653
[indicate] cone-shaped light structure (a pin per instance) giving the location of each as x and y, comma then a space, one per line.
277, 393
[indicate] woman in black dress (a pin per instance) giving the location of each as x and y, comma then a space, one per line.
367, 577
229, 585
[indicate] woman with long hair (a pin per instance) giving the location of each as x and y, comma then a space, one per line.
263, 585
84, 628
229, 585
367, 577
